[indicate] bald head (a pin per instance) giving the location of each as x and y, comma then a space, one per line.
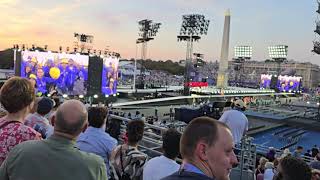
71, 118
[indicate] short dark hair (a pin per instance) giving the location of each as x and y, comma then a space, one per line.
16, 94
294, 169
45, 105
199, 129
171, 143
65, 126
97, 116
135, 130
299, 147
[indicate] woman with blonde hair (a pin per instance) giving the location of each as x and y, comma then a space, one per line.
261, 168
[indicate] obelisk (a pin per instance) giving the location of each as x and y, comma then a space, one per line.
222, 81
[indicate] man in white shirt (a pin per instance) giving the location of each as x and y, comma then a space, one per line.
164, 165
236, 120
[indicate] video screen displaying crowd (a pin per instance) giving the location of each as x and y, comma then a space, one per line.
110, 75
48, 139
65, 73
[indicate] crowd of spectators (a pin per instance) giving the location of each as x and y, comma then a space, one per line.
155, 78
43, 139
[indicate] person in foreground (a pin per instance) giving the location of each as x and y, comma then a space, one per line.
57, 157
164, 165
206, 147
17, 98
292, 168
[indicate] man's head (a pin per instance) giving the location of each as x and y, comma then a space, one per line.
40, 73
135, 129
71, 118
170, 143
208, 144
239, 104
45, 105
97, 116
64, 63
291, 168
299, 149
16, 94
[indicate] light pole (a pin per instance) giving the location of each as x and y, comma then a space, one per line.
193, 26
148, 31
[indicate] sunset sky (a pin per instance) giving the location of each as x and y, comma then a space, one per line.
113, 23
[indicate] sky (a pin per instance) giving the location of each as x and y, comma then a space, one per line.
113, 23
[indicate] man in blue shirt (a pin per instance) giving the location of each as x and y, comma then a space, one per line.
95, 139
207, 150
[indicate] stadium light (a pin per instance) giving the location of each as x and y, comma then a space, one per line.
244, 52
278, 51
279, 54
241, 53
147, 31
193, 26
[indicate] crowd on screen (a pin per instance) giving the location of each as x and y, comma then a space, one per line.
42, 138
64, 75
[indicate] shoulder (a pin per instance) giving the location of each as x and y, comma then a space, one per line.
186, 175
25, 132
27, 147
153, 161
90, 158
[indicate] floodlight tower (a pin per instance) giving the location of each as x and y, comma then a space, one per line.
316, 42
83, 42
193, 26
241, 54
148, 30
279, 54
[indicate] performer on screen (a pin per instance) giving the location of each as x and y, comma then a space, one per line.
61, 82
72, 73
42, 81
110, 89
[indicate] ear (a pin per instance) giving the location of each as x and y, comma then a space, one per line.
201, 151
30, 107
53, 119
85, 127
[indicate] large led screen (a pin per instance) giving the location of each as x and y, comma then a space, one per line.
64, 73
289, 83
265, 80
110, 75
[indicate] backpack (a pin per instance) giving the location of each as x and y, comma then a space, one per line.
260, 176
130, 165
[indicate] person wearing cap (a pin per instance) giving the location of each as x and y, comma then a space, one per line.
236, 120
33, 80
37, 120
42, 80
61, 82
71, 76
